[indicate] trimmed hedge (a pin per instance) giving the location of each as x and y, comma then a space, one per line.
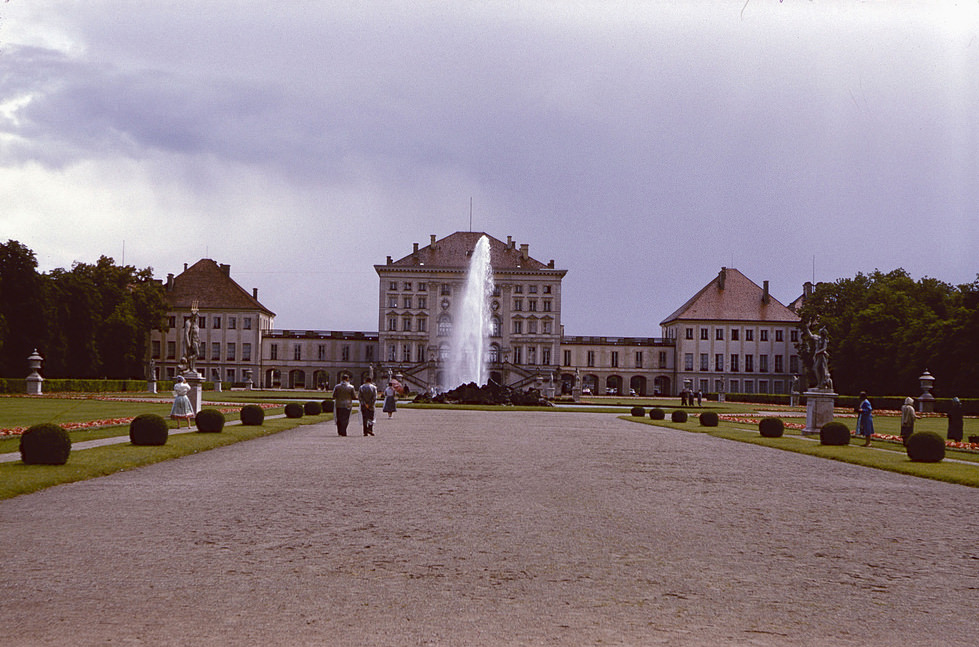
657, 414
252, 415
312, 408
45, 444
771, 427
834, 433
926, 447
327, 406
678, 416
148, 429
294, 410
209, 421
708, 419
638, 412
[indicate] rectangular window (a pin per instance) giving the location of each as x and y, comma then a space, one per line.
420, 353
247, 323
406, 353
156, 349
662, 359
719, 362
217, 322
793, 364
422, 324
704, 333
749, 386
246, 352
532, 303
688, 361
615, 359
407, 286
547, 289
778, 387
567, 358
518, 305
517, 327
763, 386
392, 353
532, 327
229, 375
547, 328
215, 351
274, 351
321, 352
297, 351
764, 335
369, 350
763, 363
719, 334
749, 364
531, 355
517, 355
406, 324
779, 364
533, 289
393, 285
794, 335
547, 305
231, 352
778, 335
232, 323
734, 363
638, 359
734, 334
749, 335
545, 356
171, 322
345, 353
171, 350
392, 302
518, 289
423, 287
422, 303
703, 386
689, 333
446, 290
407, 302
735, 386
392, 324
704, 362
591, 358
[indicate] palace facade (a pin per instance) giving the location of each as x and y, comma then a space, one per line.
732, 336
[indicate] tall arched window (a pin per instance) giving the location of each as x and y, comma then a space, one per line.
445, 326
494, 353
495, 326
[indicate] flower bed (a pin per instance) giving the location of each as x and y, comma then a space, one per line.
111, 422
754, 420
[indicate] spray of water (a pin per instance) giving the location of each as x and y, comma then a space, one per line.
471, 328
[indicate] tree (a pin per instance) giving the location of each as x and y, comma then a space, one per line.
21, 307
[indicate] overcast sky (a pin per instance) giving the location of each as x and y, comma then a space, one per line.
641, 146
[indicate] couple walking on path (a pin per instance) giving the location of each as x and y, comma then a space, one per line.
343, 402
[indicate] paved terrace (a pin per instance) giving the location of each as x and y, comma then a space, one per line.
471, 528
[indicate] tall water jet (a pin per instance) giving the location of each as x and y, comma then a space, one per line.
472, 325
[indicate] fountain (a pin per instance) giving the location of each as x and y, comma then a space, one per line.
471, 328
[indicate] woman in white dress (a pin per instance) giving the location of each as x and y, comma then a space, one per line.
182, 408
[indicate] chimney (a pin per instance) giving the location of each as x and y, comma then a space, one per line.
807, 289
255, 293
185, 267
433, 240
414, 249
764, 297
524, 251
721, 277
550, 264
226, 269
390, 260
509, 242
169, 281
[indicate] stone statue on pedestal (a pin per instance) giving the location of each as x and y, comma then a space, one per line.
820, 358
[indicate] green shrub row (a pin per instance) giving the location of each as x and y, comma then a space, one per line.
311, 408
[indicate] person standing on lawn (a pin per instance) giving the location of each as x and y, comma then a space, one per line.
908, 417
955, 420
865, 419
343, 403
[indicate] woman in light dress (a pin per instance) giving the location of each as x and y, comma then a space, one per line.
390, 399
182, 408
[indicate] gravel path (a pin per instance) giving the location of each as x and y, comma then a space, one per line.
470, 528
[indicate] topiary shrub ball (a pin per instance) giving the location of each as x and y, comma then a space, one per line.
773, 427
148, 429
678, 416
926, 447
657, 414
638, 412
45, 444
294, 410
312, 408
252, 415
708, 419
834, 433
209, 421
327, 406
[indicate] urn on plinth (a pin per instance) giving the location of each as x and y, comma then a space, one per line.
34, 380
926, 401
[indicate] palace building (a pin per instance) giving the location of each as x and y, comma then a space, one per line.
732, 336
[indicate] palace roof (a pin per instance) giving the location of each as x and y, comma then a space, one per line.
732, 296
453, 252
212, 287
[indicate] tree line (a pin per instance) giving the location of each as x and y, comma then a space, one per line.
92, 321
886, 329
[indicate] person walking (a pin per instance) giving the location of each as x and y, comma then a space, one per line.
865, 419
907, 420
182, 409
390, 399
955, 420
343, 403
367, 394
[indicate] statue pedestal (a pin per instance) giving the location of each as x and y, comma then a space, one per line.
819, 410
720, 397
151, 386
196, 396
793, 399
217, 386
34, 382
576, 394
